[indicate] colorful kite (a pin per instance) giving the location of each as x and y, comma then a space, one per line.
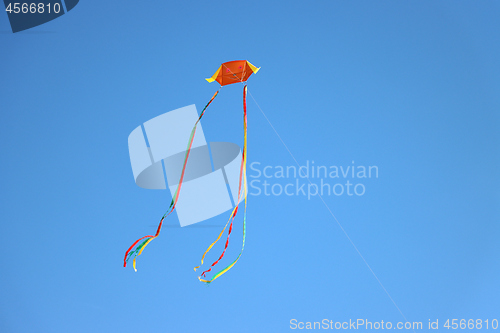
228, 73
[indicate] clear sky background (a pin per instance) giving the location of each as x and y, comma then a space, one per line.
411, 87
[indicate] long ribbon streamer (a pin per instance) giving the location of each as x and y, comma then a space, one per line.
233, 214
138, 250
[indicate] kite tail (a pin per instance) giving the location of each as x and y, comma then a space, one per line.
244, 174
231, 218
225, 247
138, 250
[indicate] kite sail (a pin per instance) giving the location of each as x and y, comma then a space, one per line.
233, 72
228, 73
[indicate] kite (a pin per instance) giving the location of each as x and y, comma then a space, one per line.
228, 73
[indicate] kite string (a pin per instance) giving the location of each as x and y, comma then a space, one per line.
142, 246
245, 190
331, 213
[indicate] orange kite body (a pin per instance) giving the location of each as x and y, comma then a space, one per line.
233, 72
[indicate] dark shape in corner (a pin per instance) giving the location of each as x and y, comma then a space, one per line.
51, 9
70, 4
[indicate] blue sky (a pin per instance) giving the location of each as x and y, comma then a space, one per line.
410, 87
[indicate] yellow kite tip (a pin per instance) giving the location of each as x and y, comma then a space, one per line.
210, 80
253, 68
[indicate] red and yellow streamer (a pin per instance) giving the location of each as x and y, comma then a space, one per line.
235, 210
147, 239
